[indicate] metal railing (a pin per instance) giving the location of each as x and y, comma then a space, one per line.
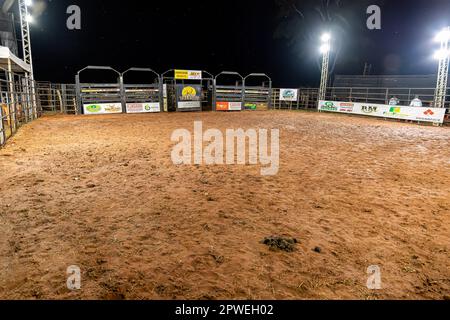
307, 100
57, 98
19, 103
308, 97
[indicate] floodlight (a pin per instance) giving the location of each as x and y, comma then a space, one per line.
326, 37
443, 36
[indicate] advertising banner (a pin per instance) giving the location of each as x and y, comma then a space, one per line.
189, 96
424, 114
229, 106
146, 107
188, 75
102, 108
290, 95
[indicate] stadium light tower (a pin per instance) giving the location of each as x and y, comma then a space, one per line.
325, 50
25, 20
443, 55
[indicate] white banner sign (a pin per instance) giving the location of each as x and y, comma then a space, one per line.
235, 106
189, 105
289, 95
423, 114
143, 107
102, 108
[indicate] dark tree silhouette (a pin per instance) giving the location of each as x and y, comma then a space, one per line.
301, 22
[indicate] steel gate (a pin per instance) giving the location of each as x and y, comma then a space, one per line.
143, 98
185, 93
99, 98
229, 97
258, 97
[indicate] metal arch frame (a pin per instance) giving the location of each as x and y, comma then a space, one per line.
165, 77
158, 76
104, 68
141, 70
230, 73
259, 75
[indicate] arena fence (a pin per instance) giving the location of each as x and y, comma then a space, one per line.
19, 103
174, 90
307, 98
57, 98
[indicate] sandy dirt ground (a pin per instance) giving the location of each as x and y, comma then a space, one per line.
102, 193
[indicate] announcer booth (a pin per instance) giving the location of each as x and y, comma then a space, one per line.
99, 97
230, 96
187, 90
258, 92
143, 96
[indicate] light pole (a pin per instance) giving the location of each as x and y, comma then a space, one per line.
325, 50
25, 20
443, 55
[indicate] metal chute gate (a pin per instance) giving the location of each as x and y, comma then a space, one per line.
99, 98
187, 90
228, 97
142, 98
258, 97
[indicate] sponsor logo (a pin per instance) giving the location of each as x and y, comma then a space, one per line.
250, 106
143, 107
346, 107
289, 94
94, 108
395, 112
113, 108
189, 92
369, 109
329, 106
195, 74
429, 112
222, 106
102, 108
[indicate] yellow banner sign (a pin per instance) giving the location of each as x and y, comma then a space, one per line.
188, 75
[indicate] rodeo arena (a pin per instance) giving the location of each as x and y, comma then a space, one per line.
87, 180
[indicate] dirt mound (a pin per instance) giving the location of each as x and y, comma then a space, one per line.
280, 243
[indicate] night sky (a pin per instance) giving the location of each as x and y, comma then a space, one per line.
277, 37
